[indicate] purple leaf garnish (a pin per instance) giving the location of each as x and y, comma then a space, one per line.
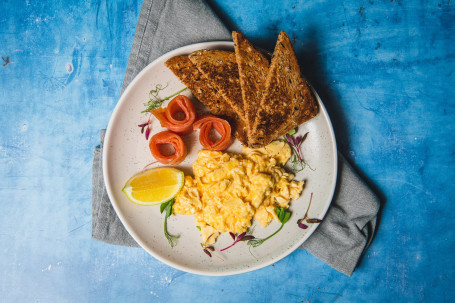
147, 132
232, 235
303, 226
295, 144
308, 220
146, 126
207, 252
314, 220
242, 237
290, 140
247, 238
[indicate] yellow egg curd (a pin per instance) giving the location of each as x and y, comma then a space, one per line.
228, 190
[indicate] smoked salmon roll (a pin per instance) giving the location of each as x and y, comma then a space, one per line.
223, 127
178, 116
173, 139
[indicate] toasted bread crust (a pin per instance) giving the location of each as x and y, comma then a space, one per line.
220, 67
253, 68
202, 89
287, 101
276, 107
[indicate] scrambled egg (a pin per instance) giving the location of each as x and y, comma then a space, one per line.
228, 190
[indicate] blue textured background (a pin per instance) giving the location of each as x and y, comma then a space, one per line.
385, 70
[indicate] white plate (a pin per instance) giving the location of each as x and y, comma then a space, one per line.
126, 152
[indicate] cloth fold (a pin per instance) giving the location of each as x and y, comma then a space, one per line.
162, 26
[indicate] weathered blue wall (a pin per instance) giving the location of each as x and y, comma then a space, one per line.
385, 70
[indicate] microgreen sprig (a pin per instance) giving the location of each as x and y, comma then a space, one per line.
242, 237
283, 216
307, 220
298, 163
146, 126
168, 207
209, 251
156, 102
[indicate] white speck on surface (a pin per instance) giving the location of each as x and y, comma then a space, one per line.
110, 65
59, 263
24, 127
167, 279
47, 268
415, 138
69, 68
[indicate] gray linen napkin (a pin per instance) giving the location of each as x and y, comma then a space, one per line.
349, 225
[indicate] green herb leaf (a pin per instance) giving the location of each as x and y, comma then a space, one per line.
156, 102
257, 242
292, 131
163, 206
168, 206
287, 215
283, 216
279, 211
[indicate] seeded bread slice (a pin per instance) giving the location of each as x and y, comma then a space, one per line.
286, 101
305, 107
220, 68
203, 90
253, 68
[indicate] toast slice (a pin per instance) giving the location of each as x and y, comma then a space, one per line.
220, 68
202, 89
305, 107
286, 101
253, 68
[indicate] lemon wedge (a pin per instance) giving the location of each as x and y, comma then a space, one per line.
154, 186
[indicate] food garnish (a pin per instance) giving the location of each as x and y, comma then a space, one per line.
298, 163
168, 116
154, 186
307, 220
155, 102
283, 215
168, 138
223, 128
292, 131
242, 237
209, 251
167, 206
145, 126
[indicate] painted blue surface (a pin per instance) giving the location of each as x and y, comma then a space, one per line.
385, 70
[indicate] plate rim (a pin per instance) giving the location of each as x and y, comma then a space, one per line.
129, 228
